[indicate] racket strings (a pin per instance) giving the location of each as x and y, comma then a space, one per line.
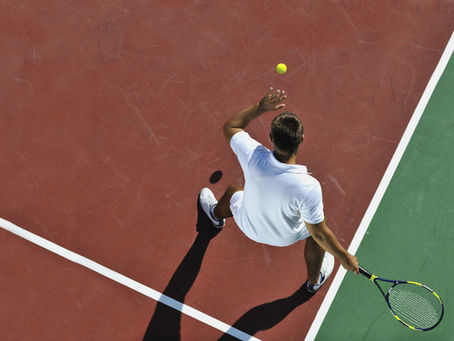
415, 305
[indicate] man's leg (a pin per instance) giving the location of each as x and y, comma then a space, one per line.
222, 209
313, 254
319, 265
217, 211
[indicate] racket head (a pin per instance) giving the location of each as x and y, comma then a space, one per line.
415, 305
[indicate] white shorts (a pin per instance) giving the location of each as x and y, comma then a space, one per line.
236, 202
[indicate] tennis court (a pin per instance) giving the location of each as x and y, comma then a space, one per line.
409, 234
111, 124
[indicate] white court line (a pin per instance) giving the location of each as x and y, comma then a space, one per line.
130, 283
363, 226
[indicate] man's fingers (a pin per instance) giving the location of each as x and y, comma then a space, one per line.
281, 95
273, 98
354, 265
276, 93
354, 268
269, 92
280, 106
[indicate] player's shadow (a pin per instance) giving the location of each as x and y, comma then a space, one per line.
268, 315
165, 322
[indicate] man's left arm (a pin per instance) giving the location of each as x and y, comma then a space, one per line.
270, 102
328, 241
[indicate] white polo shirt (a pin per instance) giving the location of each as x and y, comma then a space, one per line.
277, 197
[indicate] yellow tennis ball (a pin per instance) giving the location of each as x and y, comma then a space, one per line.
281, 68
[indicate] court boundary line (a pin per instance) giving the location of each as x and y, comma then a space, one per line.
382, 187
128, 282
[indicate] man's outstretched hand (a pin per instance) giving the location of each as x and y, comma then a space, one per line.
272, 100
350, 262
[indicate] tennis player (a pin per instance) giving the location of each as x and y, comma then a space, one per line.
280, 203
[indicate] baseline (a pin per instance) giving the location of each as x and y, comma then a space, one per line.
128, 282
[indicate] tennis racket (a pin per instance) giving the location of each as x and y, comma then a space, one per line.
413, 304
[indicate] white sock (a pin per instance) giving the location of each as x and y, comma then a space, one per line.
212, 213
318, 282
319, 278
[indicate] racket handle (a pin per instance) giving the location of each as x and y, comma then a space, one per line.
364, 272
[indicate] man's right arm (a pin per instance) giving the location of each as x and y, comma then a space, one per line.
328, 241
239, 122
270, 102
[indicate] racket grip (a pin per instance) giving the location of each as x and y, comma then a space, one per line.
364, 272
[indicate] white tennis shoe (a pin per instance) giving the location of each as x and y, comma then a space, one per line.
325, 271
208, 202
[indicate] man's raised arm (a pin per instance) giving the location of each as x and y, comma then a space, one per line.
270, 102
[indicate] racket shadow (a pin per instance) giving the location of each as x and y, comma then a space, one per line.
268, 315
166, 321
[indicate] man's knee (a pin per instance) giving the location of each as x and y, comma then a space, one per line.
231, 189
312, 245
222, 209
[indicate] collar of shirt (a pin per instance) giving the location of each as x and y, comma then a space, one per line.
298, 169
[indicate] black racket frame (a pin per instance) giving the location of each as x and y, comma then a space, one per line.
374, 278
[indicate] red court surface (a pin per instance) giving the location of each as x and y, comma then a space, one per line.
111, 124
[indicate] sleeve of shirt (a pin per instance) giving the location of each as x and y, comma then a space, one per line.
243, 146
312, 210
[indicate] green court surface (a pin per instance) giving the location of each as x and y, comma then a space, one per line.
411, 236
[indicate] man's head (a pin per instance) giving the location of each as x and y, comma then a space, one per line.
286, 133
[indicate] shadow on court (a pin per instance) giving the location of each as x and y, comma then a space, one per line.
165, 322
267, 315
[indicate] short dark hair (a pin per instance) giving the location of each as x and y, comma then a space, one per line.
287, 131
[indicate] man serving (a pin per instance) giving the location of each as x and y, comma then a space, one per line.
280, 202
